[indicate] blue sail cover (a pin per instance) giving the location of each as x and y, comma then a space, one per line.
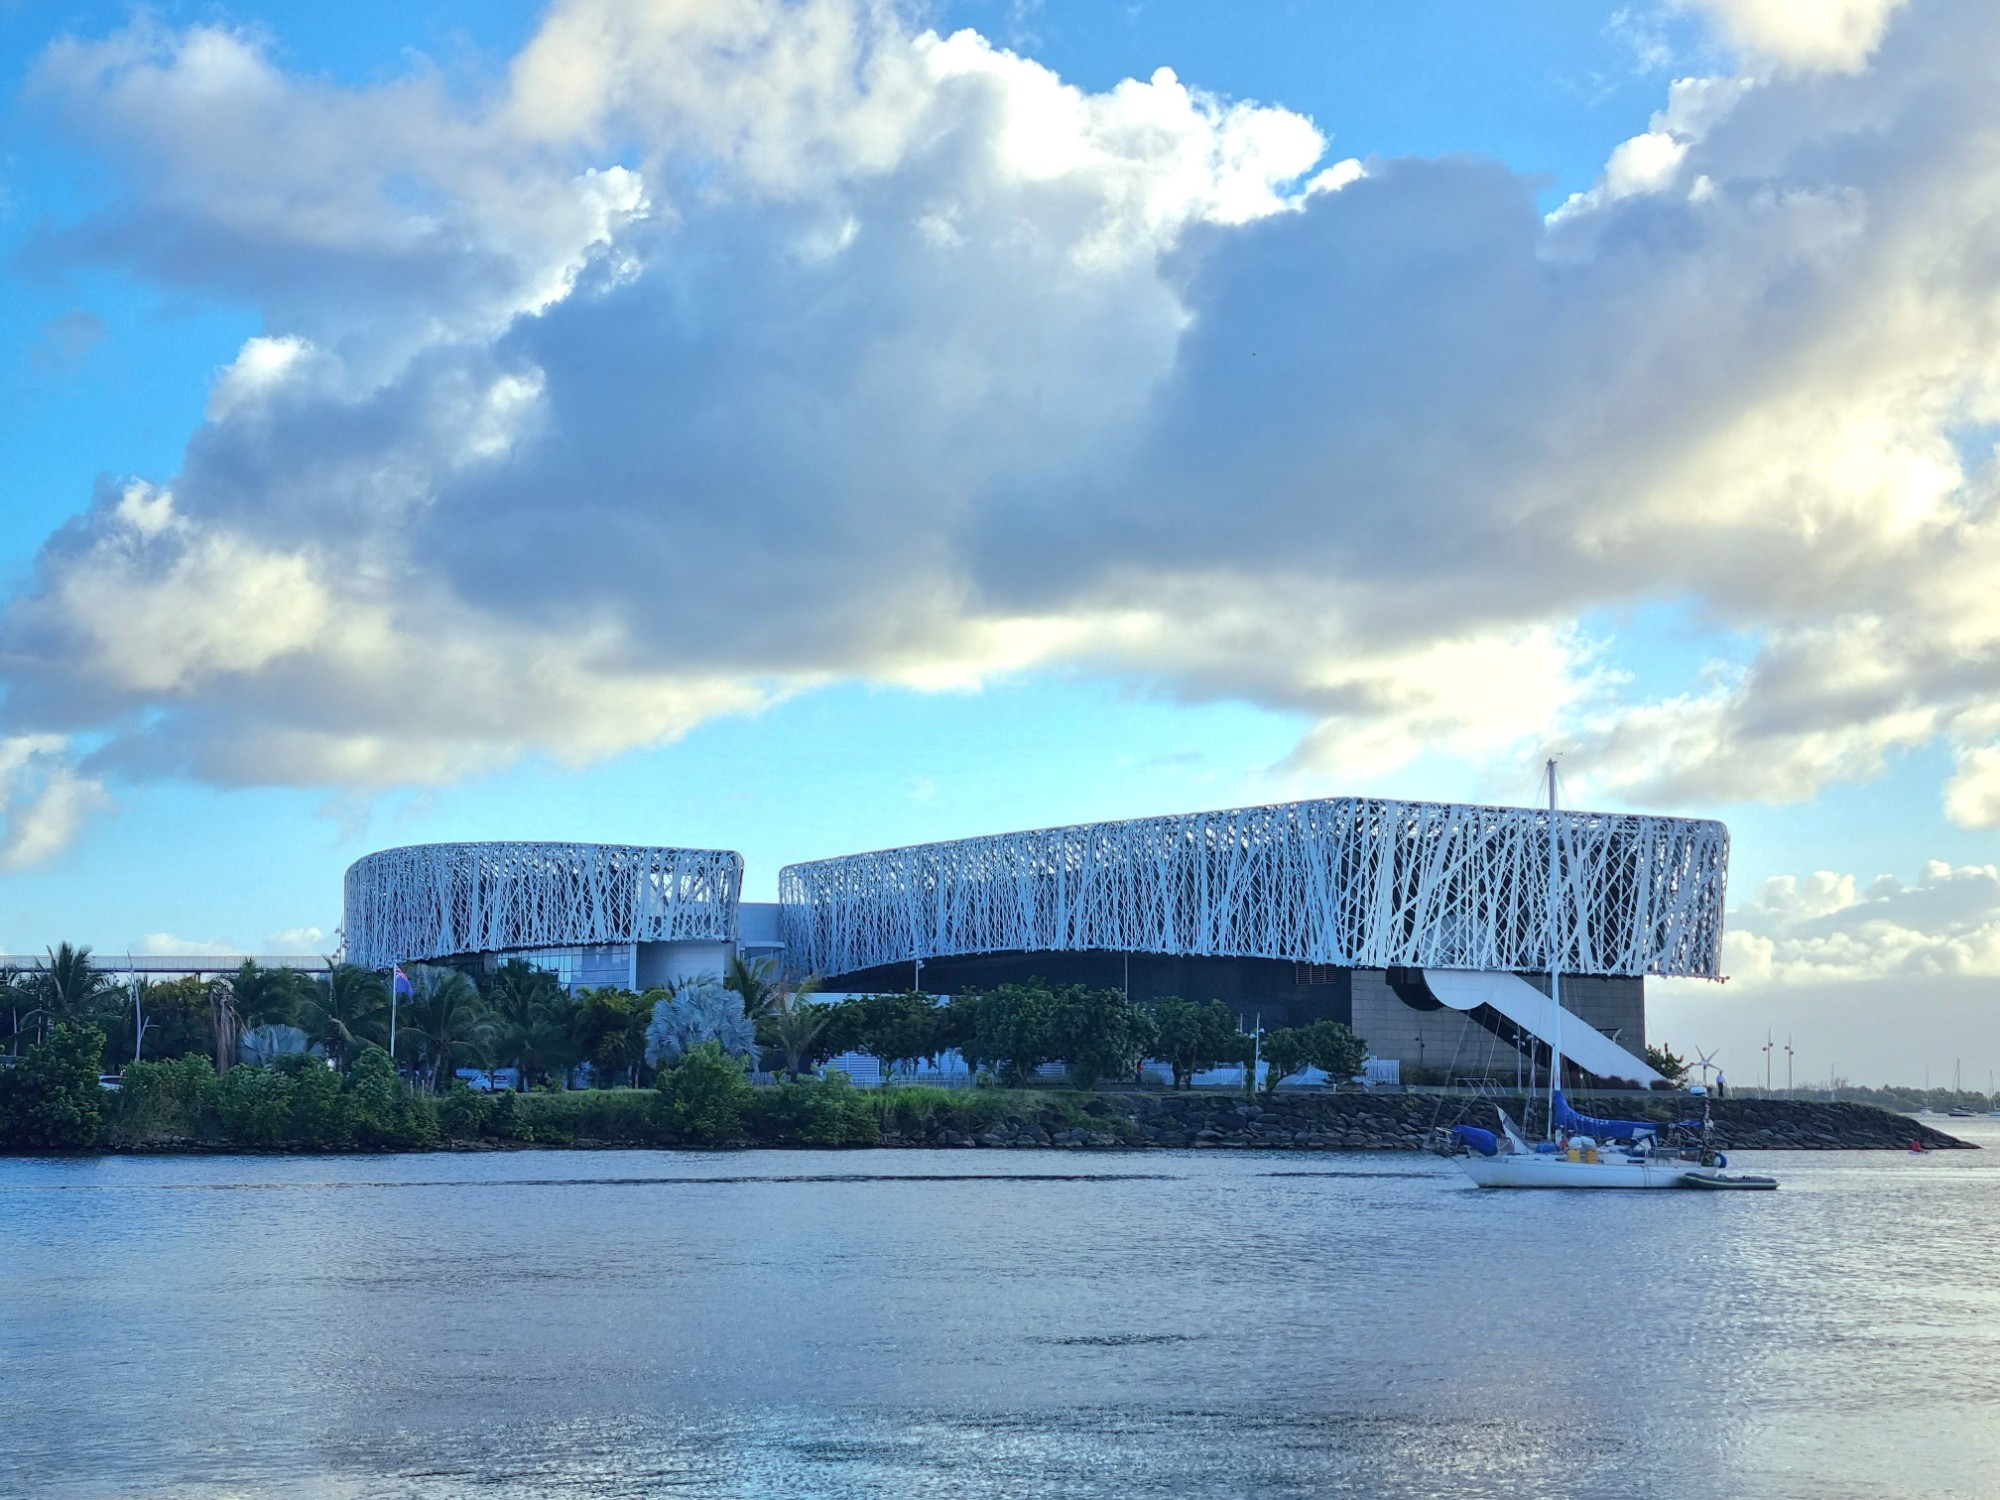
1485, 1142
1604, 1130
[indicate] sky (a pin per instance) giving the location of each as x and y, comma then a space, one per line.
809, 427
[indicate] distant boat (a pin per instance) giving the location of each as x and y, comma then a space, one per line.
1581, 1151
1958, 1114
1705, 1177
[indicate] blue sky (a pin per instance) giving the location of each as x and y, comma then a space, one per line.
1657, 617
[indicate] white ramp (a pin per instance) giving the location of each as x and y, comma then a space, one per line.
1528, 1008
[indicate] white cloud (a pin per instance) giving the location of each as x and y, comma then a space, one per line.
1810, 35
44, 800
296, 940
166, 945
1818, 961
1827, 927
727, 349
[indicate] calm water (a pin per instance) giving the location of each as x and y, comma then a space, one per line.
986, 1323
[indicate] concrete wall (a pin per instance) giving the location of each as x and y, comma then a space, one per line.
662, 963
1452, 1040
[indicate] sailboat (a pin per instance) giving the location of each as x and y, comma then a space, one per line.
1581, 1151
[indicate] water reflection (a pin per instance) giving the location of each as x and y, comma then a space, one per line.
914, 1323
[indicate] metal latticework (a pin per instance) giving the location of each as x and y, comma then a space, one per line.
1343, 881
436, 900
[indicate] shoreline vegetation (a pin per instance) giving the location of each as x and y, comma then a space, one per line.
274, 1061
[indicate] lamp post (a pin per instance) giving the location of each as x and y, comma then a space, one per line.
138, 1007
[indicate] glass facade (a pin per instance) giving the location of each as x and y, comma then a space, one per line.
587, 967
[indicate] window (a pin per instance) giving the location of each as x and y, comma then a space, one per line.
585, 967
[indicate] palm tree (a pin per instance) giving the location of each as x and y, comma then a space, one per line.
268, 996
609, 1029
345, 1011
447, 1017
531, 1018
757, 982
68, 987
225, 1025
793, 1025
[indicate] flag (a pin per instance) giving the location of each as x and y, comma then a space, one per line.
402, 982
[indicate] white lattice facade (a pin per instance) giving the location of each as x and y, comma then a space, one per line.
1349, 881
441, 900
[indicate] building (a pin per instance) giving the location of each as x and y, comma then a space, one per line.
1362, 910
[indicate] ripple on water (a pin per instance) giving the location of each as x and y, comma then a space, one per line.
910, 1323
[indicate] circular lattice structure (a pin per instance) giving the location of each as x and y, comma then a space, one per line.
1350, 881
441, 900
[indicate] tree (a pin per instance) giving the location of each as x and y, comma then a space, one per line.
897, 1029
702, 1095
51, 1097
225, 1025
178, 1022
1327, 1045
1097, 1033
446, 1021
1194, 1037
530, 1019
268, 996
1335, 1050
1011, 1032
608, 1028
1284, 1052
66, 987
696, 1014
757, 984
1668, 1063
807, 1033
347, 1009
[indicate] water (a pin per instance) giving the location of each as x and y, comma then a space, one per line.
986, 1323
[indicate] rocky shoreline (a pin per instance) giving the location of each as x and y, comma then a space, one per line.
1360, 1122
1129, 1119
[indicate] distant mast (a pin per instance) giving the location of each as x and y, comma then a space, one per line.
1555, 961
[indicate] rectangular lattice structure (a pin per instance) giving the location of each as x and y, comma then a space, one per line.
439, 900
1347, 881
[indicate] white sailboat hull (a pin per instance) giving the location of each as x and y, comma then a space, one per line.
1541, 1170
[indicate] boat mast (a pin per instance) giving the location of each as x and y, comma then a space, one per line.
1555, 961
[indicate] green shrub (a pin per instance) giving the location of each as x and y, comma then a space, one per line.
254, 1106
815, 1112
701, 1099
464, 1114
166, 1100
620, 1115
51, 1098
320, 1113
381, 1109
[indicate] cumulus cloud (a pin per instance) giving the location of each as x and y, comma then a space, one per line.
1828, 927
166, 945
1810, 35
1819, 960
44, 800
725, 349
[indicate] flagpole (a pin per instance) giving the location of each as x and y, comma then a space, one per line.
395, 993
